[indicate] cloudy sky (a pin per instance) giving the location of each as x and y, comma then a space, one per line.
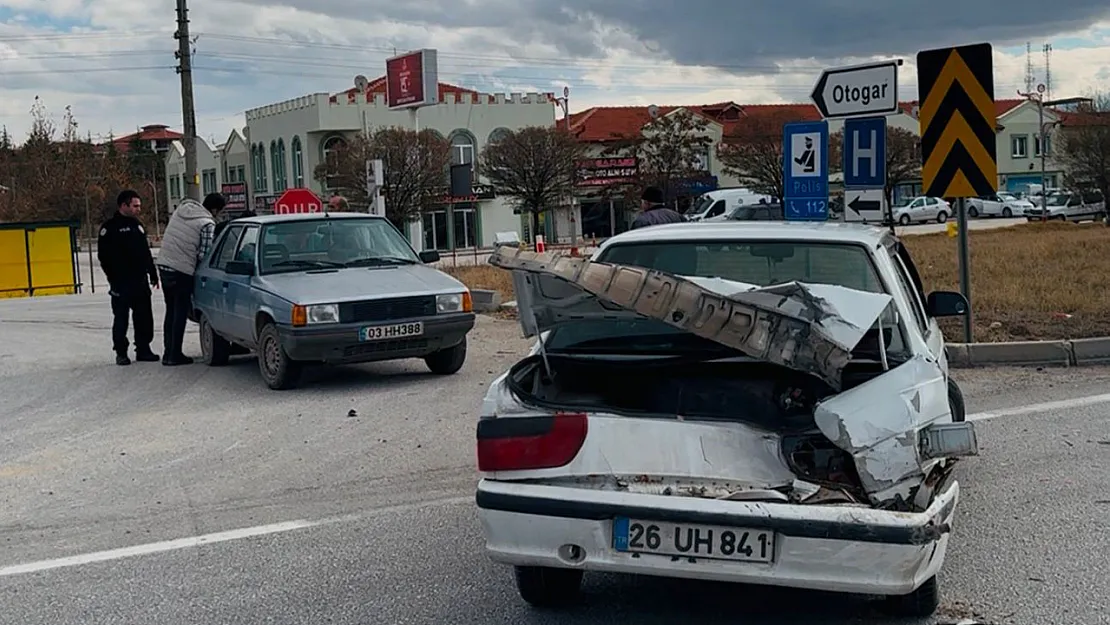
112, 60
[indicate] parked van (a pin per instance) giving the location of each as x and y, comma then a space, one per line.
723, 202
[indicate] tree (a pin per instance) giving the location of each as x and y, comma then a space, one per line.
903, 158
535, 167
415, 167
670, 148
753, 151
1084, 150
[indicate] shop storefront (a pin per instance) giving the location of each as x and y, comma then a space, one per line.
456, 223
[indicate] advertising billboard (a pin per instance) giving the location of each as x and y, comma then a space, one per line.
412, 80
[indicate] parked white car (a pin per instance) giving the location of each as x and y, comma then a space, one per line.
723, 202
922, 210
999, 205
1071, 206
769, 403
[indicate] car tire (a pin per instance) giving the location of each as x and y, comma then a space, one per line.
447, 361
545, 587
279, 371
972, 212
920, 603
904, 220
1062, 218
1007, 213
942, 217
215, 350
956, 401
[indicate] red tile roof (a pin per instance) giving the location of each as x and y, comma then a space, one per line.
150, 132
378, 86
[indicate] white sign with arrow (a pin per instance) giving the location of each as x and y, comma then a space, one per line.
867, 205
870, 89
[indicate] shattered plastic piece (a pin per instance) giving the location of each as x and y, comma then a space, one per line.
806, 327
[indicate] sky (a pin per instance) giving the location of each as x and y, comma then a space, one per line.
112, 61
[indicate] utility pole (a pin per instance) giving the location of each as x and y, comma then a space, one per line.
188, 107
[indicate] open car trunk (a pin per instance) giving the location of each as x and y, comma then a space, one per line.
786, 414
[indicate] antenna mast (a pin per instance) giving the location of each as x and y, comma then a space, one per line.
1029, 77
1047, 71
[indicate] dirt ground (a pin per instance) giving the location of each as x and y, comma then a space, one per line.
1028, 282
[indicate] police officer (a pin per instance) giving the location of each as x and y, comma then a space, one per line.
125, 257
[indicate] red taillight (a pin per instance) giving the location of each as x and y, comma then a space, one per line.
520, 444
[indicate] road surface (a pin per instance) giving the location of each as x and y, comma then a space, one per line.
195, 496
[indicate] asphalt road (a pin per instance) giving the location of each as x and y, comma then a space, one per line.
308, 515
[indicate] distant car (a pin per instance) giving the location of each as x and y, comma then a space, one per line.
752, 212
1071, 206
998, 205
327, 288
721, 202
763, 403
922, 210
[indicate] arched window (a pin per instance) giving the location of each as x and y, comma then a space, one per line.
263, 185
462, 148
297, 154
498, 134
275, 165
331, 149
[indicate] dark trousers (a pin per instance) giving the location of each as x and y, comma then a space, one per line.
177, 288
136, 302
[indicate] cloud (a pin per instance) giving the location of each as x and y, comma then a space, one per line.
113, 60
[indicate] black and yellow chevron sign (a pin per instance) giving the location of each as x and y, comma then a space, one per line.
957, 115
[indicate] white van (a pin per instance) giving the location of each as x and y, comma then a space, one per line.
723, 202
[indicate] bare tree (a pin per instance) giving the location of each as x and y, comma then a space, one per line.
753, 151
670, 148
1085, 147
903, 158
535, 167
414, 164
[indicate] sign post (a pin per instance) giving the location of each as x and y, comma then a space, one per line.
958, 150
298, 201
805, 171
870, 89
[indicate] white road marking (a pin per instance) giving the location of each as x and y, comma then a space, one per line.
1048, 406
209, 539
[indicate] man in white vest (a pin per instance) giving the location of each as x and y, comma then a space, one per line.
185, 243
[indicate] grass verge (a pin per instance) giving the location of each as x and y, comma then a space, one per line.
1028, 282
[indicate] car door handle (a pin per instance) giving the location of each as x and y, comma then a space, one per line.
203, 281
226, 284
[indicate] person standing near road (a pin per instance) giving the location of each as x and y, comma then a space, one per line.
653, 212
124, 255
185, 243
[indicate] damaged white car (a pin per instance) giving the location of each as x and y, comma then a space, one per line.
761, 403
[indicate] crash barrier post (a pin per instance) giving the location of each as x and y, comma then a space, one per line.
39, 258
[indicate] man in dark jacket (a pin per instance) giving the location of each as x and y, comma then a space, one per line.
653, 212
124, 254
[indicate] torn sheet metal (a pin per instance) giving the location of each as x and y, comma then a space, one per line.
878, 423
809, 328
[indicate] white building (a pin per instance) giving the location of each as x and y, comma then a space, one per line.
286, 141
209, 165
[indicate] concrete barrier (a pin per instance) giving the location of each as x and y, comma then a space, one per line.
1050, 353
1091, 351
485, 301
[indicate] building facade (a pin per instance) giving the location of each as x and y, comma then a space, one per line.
1019, 147
288, 140
209, 165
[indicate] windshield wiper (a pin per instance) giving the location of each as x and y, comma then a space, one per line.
379, 260
308, 263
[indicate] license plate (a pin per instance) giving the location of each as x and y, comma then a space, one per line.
688, 540
395, 331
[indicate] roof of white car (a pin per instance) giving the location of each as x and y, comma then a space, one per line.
831, 232
289, 217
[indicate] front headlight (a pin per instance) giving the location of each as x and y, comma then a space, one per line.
322, 313
453, 302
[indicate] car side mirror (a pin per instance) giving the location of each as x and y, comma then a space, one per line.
239, 268
429, 256
946, 304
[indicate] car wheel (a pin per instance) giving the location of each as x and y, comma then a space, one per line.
1062, 218
920, 603
214, 349
547, 587
956, 401
972, 212
279, 371
447, 361
1007, 213
942, 217
904, 220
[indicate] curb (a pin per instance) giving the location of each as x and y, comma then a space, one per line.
1076, 352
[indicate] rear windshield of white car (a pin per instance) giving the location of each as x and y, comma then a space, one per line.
295, 245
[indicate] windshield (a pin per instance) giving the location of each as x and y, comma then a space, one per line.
1006, 197
762, 263
323, 243
699, 205
1057, 199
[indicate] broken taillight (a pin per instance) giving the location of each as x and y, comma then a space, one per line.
524, 443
